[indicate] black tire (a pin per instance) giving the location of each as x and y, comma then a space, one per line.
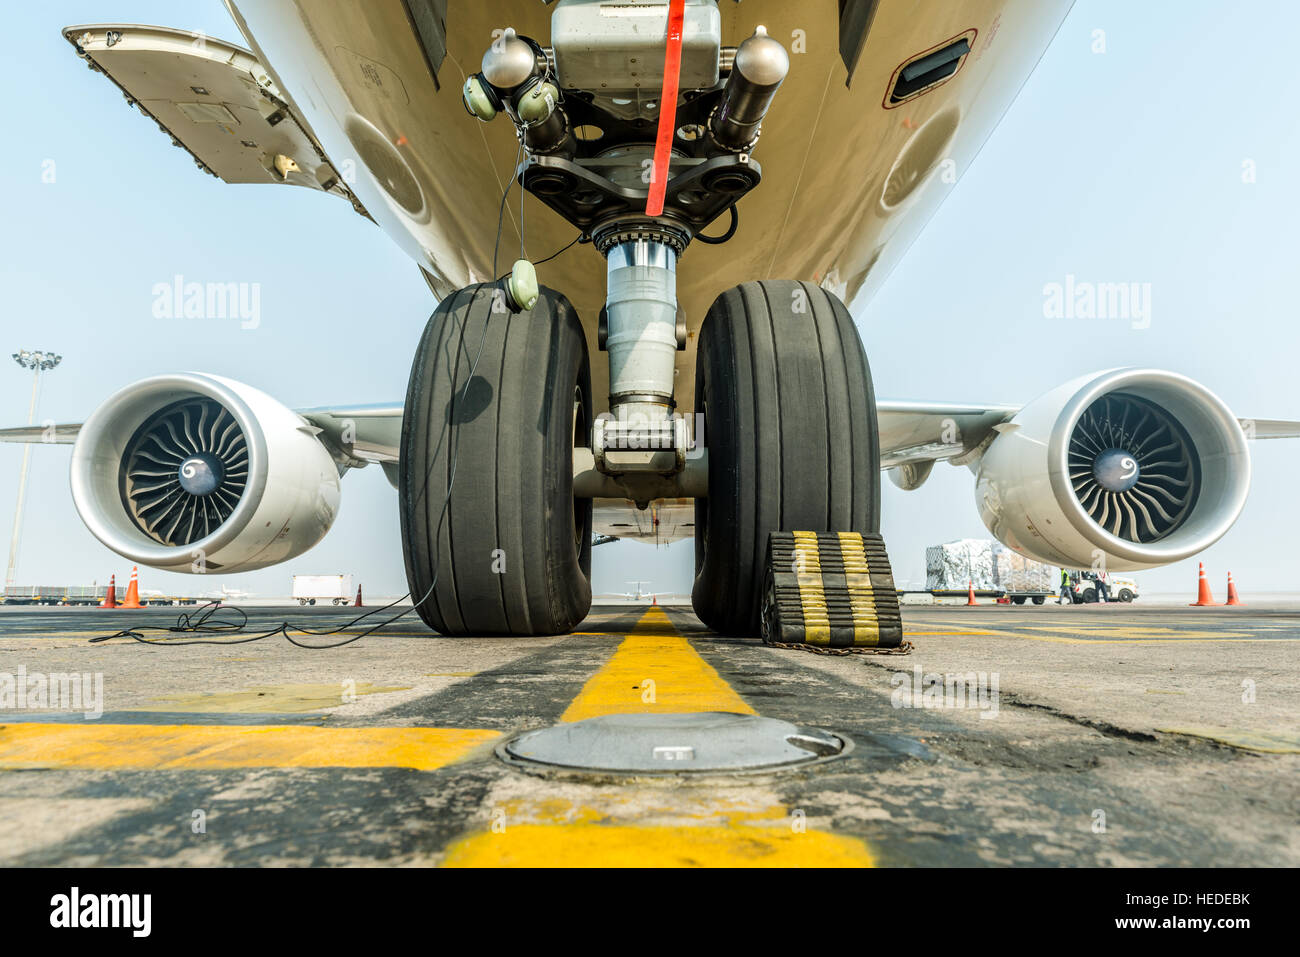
1090, 596
1125, 595
1017, 599
1040, 599
790, 425
512, 553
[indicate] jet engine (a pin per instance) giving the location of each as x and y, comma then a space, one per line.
197, 473
1133, 468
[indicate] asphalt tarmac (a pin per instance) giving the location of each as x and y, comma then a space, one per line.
1085, 735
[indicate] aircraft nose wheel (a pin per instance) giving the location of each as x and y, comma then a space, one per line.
509, 550
790, 426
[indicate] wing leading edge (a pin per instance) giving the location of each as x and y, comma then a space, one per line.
913, 436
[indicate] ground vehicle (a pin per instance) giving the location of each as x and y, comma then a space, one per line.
335, 589
1121, 589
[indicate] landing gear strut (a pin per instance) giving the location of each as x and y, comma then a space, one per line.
781, 378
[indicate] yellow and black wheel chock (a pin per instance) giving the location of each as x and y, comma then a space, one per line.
829, 591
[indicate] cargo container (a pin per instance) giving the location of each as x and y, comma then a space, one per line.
334, 589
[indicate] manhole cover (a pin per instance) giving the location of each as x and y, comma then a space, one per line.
674, 744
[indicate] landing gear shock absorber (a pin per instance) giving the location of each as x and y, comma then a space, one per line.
639, 442
641, 331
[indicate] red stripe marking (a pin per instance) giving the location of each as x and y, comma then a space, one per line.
654, 204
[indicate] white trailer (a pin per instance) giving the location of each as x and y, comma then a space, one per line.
335, 589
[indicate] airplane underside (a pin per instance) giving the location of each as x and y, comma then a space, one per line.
726, 176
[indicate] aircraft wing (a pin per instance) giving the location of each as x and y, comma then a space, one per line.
913, 436
46, 434
214, 100
1271, 428
909, 431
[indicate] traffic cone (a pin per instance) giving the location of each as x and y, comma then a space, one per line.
132, 599
1203, 596
110, 597
654, 599
357, 603
970, 593
1232, 593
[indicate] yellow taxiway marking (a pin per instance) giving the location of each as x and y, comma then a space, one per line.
152, 746
1144, 631
1063, 634
1267, 742
654, 670
612, 845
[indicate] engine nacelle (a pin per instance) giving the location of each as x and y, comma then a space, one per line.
197, 473
1142, 466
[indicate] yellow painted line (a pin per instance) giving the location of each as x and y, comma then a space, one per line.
1062, 640
862, 596
1139, 631
812, 592
1065, 639
604, 845
654, 670
627, 825
99, 747
1267, 742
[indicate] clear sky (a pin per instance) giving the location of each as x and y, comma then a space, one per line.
1116, 166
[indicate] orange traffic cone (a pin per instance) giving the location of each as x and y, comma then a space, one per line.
970, 592
654, 599
1232, 593
110, 597
1203, 596
357, 603
132, 599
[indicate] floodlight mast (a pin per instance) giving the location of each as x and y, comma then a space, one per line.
37, 362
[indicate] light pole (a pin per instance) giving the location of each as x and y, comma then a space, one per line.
38, 362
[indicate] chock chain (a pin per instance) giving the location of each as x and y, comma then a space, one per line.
904, 649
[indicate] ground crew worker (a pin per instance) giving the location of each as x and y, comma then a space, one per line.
1065, 595
1103, 591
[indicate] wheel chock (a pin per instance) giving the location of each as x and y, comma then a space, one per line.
830, 592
